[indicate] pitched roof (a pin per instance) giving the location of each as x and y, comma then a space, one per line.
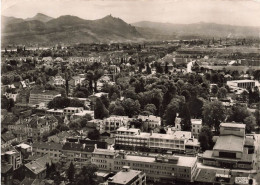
7, 136
43, 145
38, 165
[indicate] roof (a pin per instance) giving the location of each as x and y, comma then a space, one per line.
78, 147
206, 175
45, 92
23, 145
123, 177
100, 144
182, 160
196, 121
234, 125
104, 151
230, 143
38, 165
6, 167
8, 136
43, 145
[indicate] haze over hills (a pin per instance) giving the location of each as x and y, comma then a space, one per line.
198, 30
71, 29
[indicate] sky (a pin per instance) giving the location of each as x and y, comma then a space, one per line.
233, 12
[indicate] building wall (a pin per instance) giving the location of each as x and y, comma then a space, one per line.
232, 131
53, 154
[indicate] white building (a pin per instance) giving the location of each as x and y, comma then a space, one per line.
243, 84
196, 125
153, 121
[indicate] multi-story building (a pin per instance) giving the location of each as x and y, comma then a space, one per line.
134, 139
233, 149
128, 176
196, 125
52, 150
114, 122
42, 96
160, 168
12, 157
244, 84
79, 154
153, 121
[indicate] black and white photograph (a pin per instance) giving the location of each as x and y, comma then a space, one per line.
130, 92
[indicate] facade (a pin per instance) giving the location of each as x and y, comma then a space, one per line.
52, 150
114, 122
12, 157
153, 121
79, 154
128, 177
57, 80
196, 125
160, 168
42, 96
233, 149
244, 84
134, 139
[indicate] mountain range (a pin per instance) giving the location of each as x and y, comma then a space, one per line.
71, 29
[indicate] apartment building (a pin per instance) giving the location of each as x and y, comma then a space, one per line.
128, 176
134, 139
52, 150
11, 156
42, 96
79, 154
160, 168
244, 84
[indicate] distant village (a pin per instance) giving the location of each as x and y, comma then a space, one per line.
168, 112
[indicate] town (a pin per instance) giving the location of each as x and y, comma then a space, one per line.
172, 112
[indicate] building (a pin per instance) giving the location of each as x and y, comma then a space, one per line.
114, 122
153, 121
52, 150
60, 137
57, 80
11, 156
244, 84
42, 96
196, 125
233, 149
134, 139
36, 169
6, 174
128, 177
79, 154
160, 168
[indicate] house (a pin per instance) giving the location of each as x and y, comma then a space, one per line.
76, 80
60, 137
153, 121
36, 169
52, 150
196, 125
7, 139
12, 157
57, 80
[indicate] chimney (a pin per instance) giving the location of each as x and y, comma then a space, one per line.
151, 133
84, 145
95, 146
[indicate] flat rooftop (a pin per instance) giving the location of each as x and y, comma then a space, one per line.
182, 160
234, 125
229, 143
123, 177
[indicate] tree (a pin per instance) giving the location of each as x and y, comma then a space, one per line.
150, 108
214, 89
105, 101
100, 110
222, 92
250, 122
94, 135
87, 175
171, 110
71, 172
148, 69
205, 138
239, 113
186, 119
213, 114
257, 117
131, 107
